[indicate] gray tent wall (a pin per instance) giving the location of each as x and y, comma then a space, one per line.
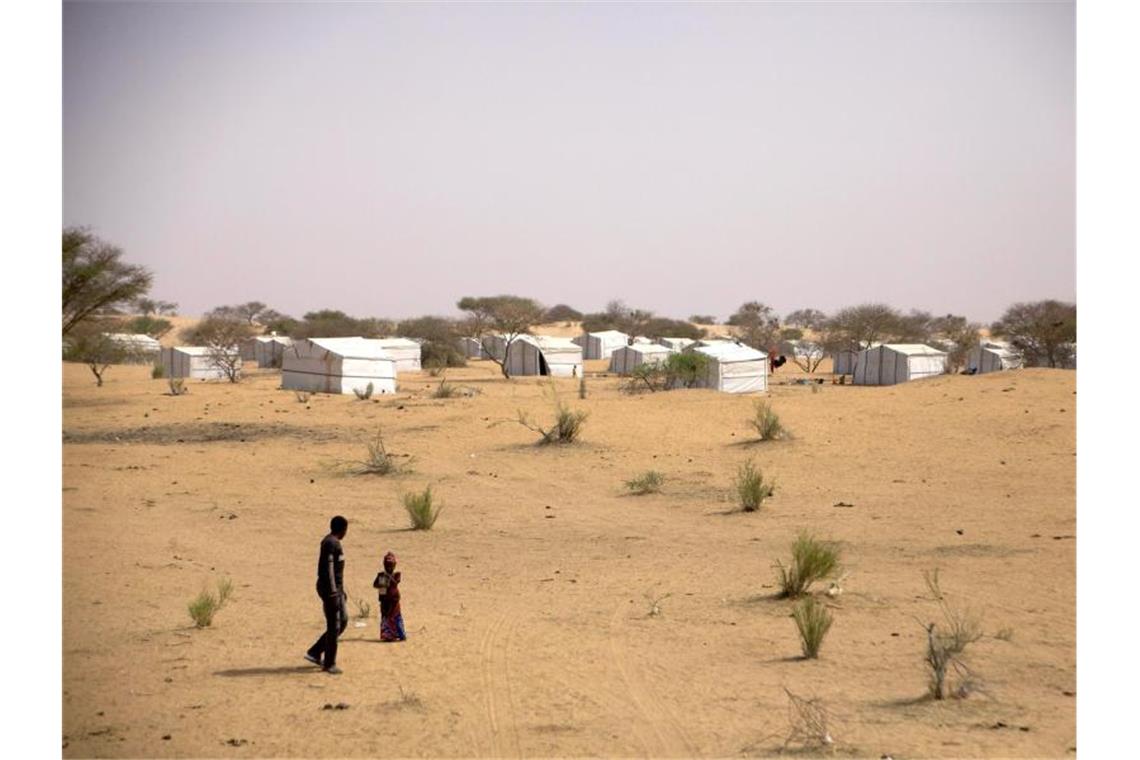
890, 364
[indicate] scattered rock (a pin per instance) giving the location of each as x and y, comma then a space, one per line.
959, 531
236, 742
842, 504
166, 737
337, 706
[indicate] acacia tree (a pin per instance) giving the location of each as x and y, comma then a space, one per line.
856, 327
808, 319
956, 335
509, 316
91, 344
561, 313
759, 325
808, 355
148, 306
1044, 331
222, 337
95, 278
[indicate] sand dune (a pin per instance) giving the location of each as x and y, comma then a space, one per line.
527, 605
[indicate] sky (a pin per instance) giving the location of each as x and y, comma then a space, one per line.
389, 159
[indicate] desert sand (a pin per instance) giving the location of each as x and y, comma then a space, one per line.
527, 606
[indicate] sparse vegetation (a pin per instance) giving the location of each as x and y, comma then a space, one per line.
812, 560
157, 372
654, 602
582, 387
647, 482
177, 386
222, 337
751, 487
946, 646
809, 724
813, 621
203, 607
365, 393
378, 460
363, 608
445, 390
566, 428
767, 423
302, 396
421, 509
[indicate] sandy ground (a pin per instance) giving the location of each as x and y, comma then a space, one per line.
527, 605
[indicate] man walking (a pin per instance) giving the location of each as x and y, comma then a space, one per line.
330, 588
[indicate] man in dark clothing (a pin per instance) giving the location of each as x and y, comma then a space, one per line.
330, 588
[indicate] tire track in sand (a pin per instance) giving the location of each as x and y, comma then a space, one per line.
654, 711
498, 694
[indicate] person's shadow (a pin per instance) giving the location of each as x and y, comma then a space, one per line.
283, 670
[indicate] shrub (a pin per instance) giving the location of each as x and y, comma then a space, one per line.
445, 390
808, 722
582, 387
302, 396
649, 481
157, 372
378, 461
945, 647
566, 429
420, 509
813, 622
812, 560
364, 395
685, 370
177, 386
751, 487
203, 607
363, 608
767, 423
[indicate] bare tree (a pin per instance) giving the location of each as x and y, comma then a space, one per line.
808, 355
1044, 331
95, 278
509, 316
956, 335
222, 337
808, 319
148, 306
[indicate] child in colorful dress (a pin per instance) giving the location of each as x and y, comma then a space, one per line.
388, 583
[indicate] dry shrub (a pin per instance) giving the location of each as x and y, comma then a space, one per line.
649, 481
364, 395
809, 724
767, 423
946, 646
813, 621
177, 386
378, 460
751, 487
566, 428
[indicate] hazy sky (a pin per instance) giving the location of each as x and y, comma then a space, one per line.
387, 159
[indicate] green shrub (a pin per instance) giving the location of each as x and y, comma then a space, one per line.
364, 395
203, 607
751, 488
157, 372
767, 423
813, 622
420, 509
812, 560
649, 481
685, 370
566, 429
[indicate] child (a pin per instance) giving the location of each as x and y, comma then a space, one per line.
388, 583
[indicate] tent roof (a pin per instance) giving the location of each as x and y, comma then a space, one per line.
550, 343
648, 348
146, 340
396, 342
912, 349
732, 352
608, 334
192, 350
355, 348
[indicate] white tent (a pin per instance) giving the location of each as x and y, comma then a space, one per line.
624, 359
844, 360
141, 347
406, 353
544, 355
265, 350
600, 345
496, 345
193, 362
734, 368
472, 348
338, 365
675, 344
892, 363
992, 356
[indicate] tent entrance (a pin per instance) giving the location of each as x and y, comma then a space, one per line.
543, 368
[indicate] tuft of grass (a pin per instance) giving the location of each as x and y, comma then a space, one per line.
363, 608
813, 621
812, 560
435, 367
364, 395
378, 461
157, 372
421, 509
767, 423
566, 428
177, 386
1005, 634
654, 603
647, 482
582, 387
445, 390
302, 396
751, 488
203, 607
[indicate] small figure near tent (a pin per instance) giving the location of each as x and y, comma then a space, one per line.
775, 362
387, 582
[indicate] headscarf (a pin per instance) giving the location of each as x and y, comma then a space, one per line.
389, 560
